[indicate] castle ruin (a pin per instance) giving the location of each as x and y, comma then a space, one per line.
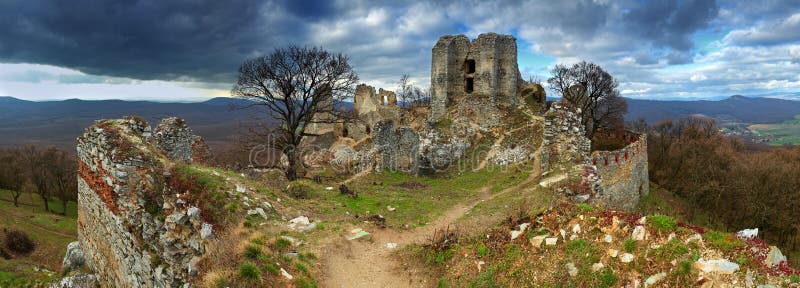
485, 67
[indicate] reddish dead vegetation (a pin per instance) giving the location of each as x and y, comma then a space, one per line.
98, 185
200, 152
758, 249
412, 185
190, 190
123, 147
605, 217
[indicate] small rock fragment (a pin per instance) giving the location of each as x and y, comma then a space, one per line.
626, 258
536, 241
608, 238
638, 233
597, 266
550, 241
613, 253
695, 237
652, 280
286, 274
747, 233
571, 269
774, 257
716, 265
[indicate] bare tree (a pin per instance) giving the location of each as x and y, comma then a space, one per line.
62, 171
421, 97
593, 90
294, 85
405, 90
12, 175
36, 161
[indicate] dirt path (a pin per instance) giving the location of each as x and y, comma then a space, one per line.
361, 263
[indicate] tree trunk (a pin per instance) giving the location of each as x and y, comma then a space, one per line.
64, 206
44, 199
16, 195
291, 170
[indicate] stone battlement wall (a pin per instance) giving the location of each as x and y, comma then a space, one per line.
564, 136
621, 174
624, 171
133, 230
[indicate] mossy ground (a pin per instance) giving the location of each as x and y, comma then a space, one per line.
51, 233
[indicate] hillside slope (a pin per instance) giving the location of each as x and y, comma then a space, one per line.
735, 109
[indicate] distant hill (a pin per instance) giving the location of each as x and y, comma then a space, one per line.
735, 109
61, 122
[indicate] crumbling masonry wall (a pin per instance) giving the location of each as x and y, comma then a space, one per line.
624, 171
616, 179
486, 66
564, 136
135, 232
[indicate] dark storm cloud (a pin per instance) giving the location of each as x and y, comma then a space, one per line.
150, 39
670, 23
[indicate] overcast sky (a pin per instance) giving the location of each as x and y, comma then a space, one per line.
189, 50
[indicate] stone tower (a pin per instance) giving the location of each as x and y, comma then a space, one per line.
486, 66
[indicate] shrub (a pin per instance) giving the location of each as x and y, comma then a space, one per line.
299, 190
19, 242
662, 223
249, 271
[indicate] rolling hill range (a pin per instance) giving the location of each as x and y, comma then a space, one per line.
59, 123
733, 110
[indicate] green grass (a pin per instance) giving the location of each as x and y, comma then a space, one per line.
630, 245
723, 241
662, 223
414, 207
252, 252
582, 252
249, 271
607, 278
51, 233
785, 133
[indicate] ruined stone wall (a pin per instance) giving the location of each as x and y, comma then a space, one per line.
624, 172
399, 148
564, 136
371, 108
621, 174
496, 73
134, 232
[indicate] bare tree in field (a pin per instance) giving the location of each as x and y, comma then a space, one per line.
12, 174
294, 85
36, 161
62, 176
590, 88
